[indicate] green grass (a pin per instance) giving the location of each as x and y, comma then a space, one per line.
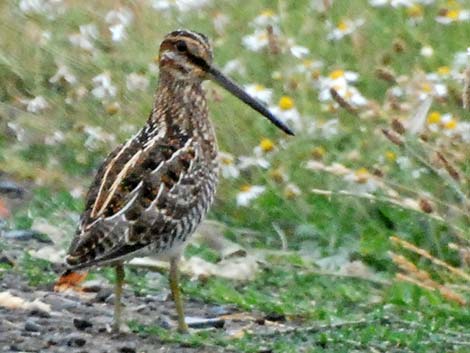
314, 225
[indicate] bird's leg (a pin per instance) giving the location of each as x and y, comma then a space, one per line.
117, 297
175, 291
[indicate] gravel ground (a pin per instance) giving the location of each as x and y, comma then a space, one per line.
80, 323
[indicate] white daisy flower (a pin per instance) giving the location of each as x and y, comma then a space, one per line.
45, 7
299, 51
453, 15
63, 74
343, 28
136, 82
427, 51
119, 20
285, 110
103, 86
361, 181
259, 92
85, 38
340, 81
248, 193
228, 169
256, 41
265, 19
258, 159
181, 5
35, 105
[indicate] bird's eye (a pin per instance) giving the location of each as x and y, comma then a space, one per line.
181, 46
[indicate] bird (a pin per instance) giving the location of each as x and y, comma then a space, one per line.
151, 192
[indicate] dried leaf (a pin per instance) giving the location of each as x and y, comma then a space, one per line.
70, 280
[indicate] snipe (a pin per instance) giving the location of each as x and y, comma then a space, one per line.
151, 192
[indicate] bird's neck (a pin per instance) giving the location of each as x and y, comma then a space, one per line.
180, 105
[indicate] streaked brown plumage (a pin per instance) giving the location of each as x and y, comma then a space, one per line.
152, 192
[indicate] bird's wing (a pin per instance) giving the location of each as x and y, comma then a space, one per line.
128, 203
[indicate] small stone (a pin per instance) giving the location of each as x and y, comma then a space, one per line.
103, 295
18, 234
164, 322
93, 286
31, 326
75, 341
82, 324
26, 234
39, 308
127, 349
11, 189
275, 317
8, 260
60, 303
110, 299
220, 310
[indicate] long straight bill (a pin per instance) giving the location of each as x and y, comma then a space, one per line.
238, 92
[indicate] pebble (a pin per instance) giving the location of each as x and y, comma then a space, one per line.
59, 302
11, 189
74, 340
93, 286
26, 234
127, 349
81, 324
110, 299
275, 317
31, 326
6, 259
103, 295
220, 310
164, 322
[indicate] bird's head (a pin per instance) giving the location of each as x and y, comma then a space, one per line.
187, 55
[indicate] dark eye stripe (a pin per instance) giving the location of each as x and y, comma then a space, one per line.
198, 61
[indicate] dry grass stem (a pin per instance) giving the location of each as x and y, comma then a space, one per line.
448, 167
386, 75
408, 246
342, 102
466, 84
393, 137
